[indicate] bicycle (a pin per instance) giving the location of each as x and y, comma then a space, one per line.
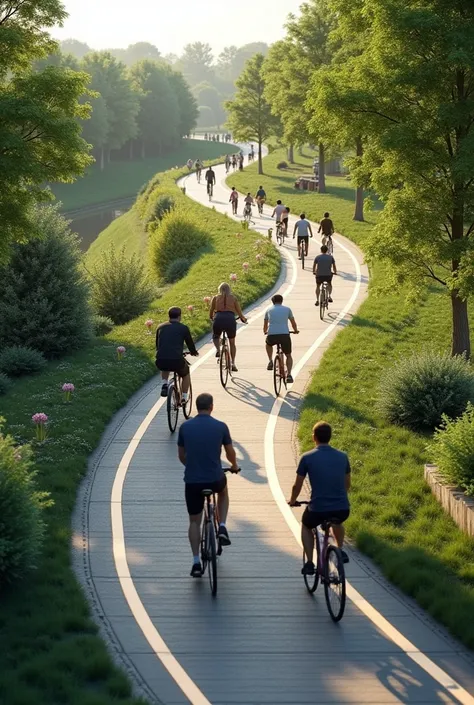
329, 570
260, 204
248, 214
198, 175
225, 360
280, 234
211, 547
174, 401
210, 189
279, 368
323, 300
329, 244
302, 250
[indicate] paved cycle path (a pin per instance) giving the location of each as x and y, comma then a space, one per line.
263, 640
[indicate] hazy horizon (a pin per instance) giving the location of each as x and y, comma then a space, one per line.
98, 23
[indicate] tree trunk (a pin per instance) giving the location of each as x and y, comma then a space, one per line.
461, 339
102, 159
359, 193
291, 154
322, 170
260, 160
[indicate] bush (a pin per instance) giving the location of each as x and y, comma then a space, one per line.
44, 294
452, 449
102, 324
21, 506
178, 233
120, 288
418, 390
16, 361
177, 269
282, 165
5, 384
162, 206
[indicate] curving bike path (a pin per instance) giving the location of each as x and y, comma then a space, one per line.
263, 640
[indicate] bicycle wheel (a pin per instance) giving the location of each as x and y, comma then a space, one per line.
312, 581
224, 365
322, 303
334, 583
277, 375
172, 407
330, 246
302, 255
204, 543
188, 407
212, 558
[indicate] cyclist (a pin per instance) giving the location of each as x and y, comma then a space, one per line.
227, 164
234, 199
277, 211
323, 267
285, 217
248, 200
200, 442
170, 340
303, 227
234, 162
275, 327
210, 179
189, 164
329, 473
260, 197
326, 227
224, 308
241, 162
198, 167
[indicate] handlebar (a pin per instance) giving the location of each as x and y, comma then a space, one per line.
299, 503
234, 472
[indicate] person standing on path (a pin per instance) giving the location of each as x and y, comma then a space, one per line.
324, 266
234, 200
275, 327
200, 442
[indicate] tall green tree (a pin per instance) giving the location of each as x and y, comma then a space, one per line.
250, 115
76, 48
196, 63
40, 138
415, 91
188, 111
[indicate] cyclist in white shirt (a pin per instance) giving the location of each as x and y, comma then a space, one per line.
303, 227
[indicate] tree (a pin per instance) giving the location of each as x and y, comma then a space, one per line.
196, 62
141, 51
250, 115
74, 47
188, 111
210, 96
415, 92
95, 130
206, 117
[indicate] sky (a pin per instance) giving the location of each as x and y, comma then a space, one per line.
170, 24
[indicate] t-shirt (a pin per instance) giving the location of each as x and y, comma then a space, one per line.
278, 317
278, 211
202, 438
210, 176
170, 339
326, 226
248, 200
326, 468
324, 265
261, 193
234, 196
303, 227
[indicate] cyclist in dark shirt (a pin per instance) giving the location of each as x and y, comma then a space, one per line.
326, 227
211, 176
170, 340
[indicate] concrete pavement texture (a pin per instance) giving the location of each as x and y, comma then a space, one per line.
263, 640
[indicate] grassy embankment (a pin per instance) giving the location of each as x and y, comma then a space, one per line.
124, 179
50, 651
395, 519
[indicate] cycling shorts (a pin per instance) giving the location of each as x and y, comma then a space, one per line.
324, 278
194, 496
224, 321
181, 366
313, 519
284, 222
283, 338
303, 238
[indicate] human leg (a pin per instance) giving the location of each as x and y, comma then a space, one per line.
307, 538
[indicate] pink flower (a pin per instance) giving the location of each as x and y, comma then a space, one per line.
149, 323
68, 389
238, 234
190, 308
245, 266
233, 277
120, 352
258, 258
207, 300
40, 420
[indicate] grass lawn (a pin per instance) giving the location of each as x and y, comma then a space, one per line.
50, 652
124, 179
126, 231
395, 519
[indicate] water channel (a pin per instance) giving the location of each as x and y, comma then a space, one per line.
89, 225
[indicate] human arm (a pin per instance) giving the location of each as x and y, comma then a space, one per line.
238, 311
332, 227
212, 310
293, 325
266, 323
334, 269
310, 230
320, 228
296, 489
294, 229
315, 265
214, 177
188, 339
347, 479
181, 449
229, 448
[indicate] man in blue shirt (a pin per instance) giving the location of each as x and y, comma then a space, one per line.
200, 442
329, 475
275, 327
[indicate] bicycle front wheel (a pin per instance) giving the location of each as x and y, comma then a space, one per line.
335, 583
224, 365
212, 558
188, 407
172, 407
278, 373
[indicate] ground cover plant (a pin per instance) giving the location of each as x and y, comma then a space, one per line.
50, 651
394, 519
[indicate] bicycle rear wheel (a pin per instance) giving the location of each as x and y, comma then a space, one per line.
330, 246
224, 365
188, 407
335, 583
204, 544
311, 581
172, 407
277, 375
302, 255
212, 558
322, 303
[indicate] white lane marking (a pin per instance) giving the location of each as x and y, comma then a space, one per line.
433, 670
137, 608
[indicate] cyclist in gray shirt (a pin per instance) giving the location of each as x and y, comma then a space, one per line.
323, 267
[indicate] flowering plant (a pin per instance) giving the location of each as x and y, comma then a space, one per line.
149, 324
40, 420
207, 300
68, 389
120, 352
245, 267
190, 309
258, 258
233, 277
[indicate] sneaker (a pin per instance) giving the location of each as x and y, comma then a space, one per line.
270, 365
223, 536
234, 368
308, 568
289, 379
196, 570
330, 300
345, 557
317, 303
164, 390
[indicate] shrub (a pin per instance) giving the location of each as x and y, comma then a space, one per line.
102, 324
282, 165
178, 233
452, 449
120, 288
162, 206
44, 294
177, 269
418, 390
16, 361
5, 383
21, 506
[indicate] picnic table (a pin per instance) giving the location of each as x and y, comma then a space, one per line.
307, 183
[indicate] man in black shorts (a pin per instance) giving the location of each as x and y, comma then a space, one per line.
303, 228
200, 442
170, 340
275, 327
329, 475
323, 267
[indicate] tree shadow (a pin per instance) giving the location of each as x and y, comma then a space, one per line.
324, 404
